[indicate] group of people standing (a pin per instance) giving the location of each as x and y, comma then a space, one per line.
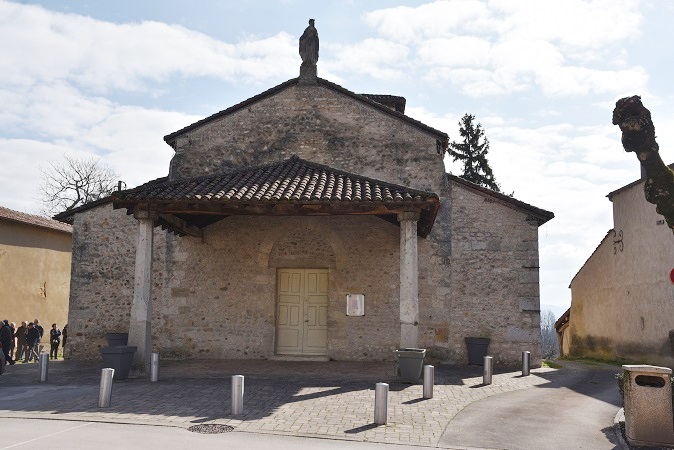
23, 343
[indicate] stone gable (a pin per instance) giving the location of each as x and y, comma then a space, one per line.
319, 125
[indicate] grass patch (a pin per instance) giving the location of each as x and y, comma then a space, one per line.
550, 364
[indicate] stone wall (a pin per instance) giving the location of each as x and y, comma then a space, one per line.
494, 278
219, 295
102, 278
216, 297
360, 251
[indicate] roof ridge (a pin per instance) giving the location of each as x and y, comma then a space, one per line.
321, 81
629, 185
224, 112
547, 215
66, 216
34, 220
587, 260
383, 108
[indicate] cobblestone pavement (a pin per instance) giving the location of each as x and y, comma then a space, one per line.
318, 399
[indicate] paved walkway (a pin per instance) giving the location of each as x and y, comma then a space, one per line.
576, 411
318, 399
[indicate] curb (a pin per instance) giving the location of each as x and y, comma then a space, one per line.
620, 417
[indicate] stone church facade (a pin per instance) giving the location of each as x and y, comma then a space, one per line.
276, 211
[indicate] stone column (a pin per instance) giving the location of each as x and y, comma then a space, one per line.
409, 280
140, 323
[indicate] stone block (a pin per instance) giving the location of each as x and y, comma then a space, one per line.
529, 304
494, 245
528, 276
516, 334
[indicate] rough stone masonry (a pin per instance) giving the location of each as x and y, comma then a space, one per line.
215, 296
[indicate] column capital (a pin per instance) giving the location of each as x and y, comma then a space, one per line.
408, 215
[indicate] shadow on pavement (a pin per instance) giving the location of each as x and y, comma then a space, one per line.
198, 391
609, 432
367, 427
596, 381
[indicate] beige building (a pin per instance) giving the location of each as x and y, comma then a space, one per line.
563, 333
622, 299
308, 221
35, 256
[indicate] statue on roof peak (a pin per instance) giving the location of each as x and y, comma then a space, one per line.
309, 45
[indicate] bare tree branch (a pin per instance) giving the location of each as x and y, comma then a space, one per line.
72, 182
549, 343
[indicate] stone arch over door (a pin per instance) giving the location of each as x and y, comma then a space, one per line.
302, 248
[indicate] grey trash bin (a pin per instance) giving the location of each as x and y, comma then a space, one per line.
410, 363
117, 339
648, 405
478, 348
119, 358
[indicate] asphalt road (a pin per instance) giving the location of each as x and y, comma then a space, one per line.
39, 433
577, 415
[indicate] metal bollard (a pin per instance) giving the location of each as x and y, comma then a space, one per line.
381, 403
154, 367
488, 369
237, 395
105, 392
429, 381
526, 358
44, 366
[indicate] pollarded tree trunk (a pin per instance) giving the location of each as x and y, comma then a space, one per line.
638, 136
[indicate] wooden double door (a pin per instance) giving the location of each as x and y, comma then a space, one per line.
302, 314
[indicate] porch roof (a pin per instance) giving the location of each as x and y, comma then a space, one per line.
293, 187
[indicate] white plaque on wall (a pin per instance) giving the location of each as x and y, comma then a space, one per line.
355, 305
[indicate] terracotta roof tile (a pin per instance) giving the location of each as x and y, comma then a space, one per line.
291, 180
30, 219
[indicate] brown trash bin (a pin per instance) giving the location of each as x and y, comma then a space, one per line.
648, 405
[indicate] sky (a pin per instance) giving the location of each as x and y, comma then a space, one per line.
110, 79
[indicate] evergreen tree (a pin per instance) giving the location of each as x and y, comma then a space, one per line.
472, 152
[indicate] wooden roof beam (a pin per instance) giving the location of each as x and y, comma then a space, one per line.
180, 225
